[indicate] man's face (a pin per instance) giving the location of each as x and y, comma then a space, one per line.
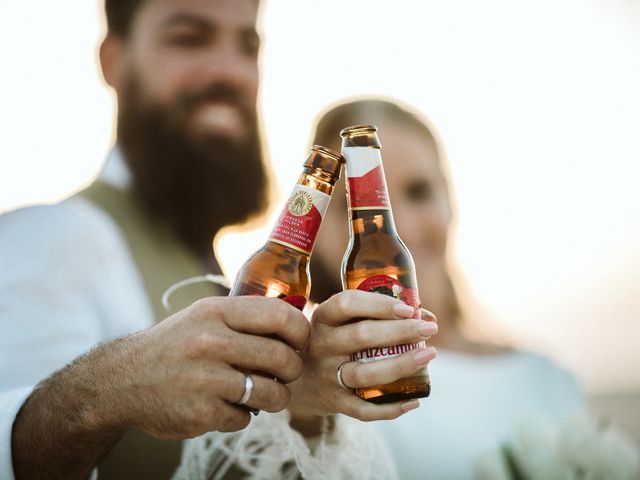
187, 121
197, 58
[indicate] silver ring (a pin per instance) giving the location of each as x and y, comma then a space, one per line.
248, 388
339, 376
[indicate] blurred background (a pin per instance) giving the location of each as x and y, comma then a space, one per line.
538, 105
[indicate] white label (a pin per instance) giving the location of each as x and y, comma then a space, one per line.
361, 160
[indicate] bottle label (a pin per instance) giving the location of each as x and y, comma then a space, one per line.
300, 220
367, 185
387, 285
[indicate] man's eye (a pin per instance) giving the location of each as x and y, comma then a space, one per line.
187, 40
419, 192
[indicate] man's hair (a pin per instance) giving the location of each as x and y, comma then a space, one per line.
120, 15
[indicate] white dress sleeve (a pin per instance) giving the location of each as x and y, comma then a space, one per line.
61, 267
269, 448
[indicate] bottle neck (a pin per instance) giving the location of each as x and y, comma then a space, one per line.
367, 222
298, 224
317, 179
366, 183
368, 197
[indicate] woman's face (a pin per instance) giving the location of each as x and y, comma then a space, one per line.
419, 199
418, 192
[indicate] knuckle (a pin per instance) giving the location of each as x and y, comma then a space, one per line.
280, 356
305, 327
286, 362
362, 414
278, 397
360, 333
220, 344
196, 347
200, 416
392, 414
280, 312
410, 329
318, 344
360, 376
234, 421
275, 356
204, 307
349, 411
296, 366
342, 301
207, 343
228, 385
385, 414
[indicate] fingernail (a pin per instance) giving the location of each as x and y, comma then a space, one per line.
427, 313
410, 405
424, 355
427, 329
403, 310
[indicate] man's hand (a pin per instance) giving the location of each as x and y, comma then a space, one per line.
176, 380
346, 323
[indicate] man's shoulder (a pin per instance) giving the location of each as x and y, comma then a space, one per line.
67, 228
75, 214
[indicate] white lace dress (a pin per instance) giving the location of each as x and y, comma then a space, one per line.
269, 448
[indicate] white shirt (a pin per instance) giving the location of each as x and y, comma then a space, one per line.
67, 282
475, 404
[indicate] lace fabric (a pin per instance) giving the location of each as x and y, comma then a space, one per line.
269, 448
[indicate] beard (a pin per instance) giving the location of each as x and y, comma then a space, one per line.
195, 183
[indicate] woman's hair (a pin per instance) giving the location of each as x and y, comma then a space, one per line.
369, 111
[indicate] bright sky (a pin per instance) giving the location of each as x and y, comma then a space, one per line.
538, 104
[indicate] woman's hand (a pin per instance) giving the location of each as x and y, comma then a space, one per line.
346, 323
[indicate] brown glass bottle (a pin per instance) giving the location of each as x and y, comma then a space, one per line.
376, 260
280, 269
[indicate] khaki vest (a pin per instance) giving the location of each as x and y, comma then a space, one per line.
162, 260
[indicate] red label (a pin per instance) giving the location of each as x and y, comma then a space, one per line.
379, 353
369, 190
297, 301
300, 220
392, 287
299, 232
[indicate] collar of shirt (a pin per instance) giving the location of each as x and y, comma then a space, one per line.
115, 171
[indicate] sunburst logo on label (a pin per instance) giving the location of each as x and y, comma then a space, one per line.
300, 204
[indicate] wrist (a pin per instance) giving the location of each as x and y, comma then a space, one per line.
66, 425
100, 382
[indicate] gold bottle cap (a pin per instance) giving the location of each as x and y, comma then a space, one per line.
356, 130
325, 159
360, 136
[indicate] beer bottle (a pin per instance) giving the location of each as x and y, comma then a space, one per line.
376, 260
280, 269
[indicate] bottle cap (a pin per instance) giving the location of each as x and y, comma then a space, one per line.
325, 159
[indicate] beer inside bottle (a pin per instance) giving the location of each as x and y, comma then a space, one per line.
376, 260
280, 269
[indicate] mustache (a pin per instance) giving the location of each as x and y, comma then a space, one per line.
214, 93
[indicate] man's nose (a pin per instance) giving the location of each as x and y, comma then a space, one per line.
226, 63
